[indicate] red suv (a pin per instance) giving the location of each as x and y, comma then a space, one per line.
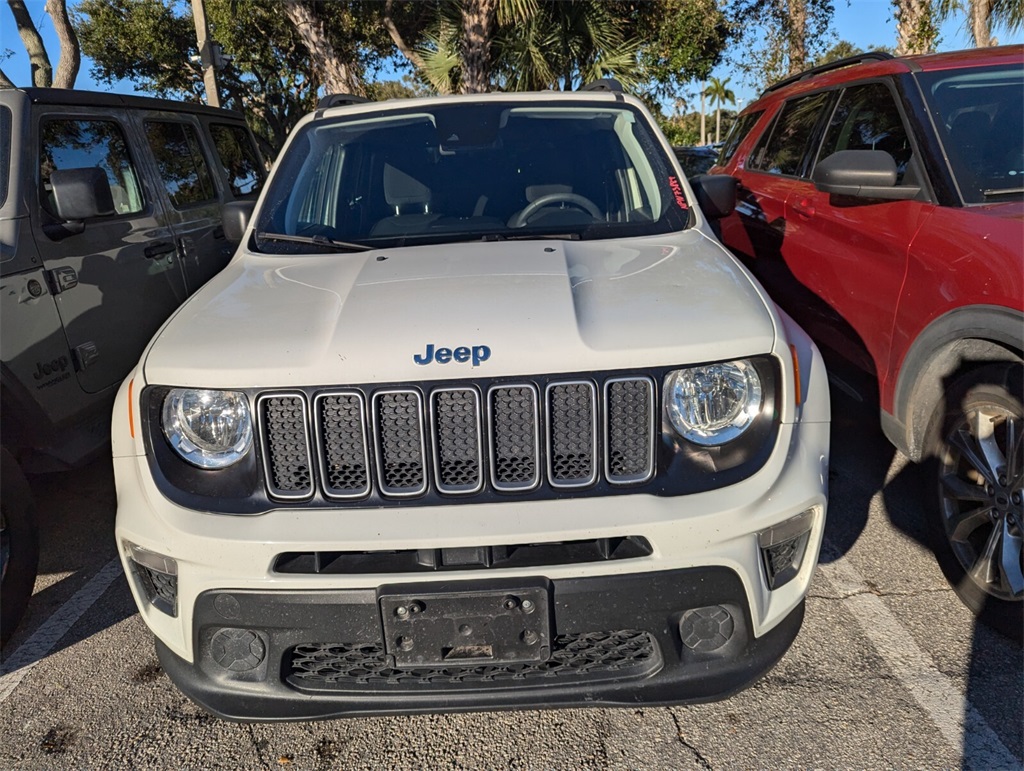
881, 203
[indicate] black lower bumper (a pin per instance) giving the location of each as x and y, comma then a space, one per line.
650, 638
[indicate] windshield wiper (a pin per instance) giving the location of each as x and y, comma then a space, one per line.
315, 240
1003, 191
530, 236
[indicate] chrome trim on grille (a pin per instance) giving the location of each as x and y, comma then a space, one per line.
651, 427
387, 490
274, 491
321, 445
491, 441
550, 432
435, 433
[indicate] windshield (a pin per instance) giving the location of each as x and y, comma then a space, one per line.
471, 171
980, 117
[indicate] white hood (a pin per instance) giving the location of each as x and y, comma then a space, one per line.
538, 307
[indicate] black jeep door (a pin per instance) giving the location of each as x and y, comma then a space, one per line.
190, 193
118, 279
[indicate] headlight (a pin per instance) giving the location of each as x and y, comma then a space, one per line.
713, 404
209, 429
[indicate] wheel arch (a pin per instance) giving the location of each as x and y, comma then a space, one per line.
956, 342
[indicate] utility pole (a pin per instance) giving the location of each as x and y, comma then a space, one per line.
208, 53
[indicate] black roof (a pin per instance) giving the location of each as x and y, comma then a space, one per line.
106, 99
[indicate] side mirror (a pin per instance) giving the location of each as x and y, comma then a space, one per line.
80, 194
716, 194
863, 174
235, 218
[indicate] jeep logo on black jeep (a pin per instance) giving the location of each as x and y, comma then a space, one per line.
477, 354
47, 368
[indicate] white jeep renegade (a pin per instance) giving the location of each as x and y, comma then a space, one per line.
480, 415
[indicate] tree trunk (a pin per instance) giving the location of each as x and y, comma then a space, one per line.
718, 124
70, 51
980, 14
477, 28
916, 30
796, 10
5, 82
42, 70
703, 131
396, 37
337, 76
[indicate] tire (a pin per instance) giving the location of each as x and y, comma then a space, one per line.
19, 545
977, 484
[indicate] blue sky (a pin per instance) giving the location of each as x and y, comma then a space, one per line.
865, 23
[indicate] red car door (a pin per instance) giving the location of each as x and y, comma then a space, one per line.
851, 254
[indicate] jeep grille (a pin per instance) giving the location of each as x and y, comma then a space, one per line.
458, 440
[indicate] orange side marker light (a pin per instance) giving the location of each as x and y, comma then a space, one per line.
131, 409
796, 376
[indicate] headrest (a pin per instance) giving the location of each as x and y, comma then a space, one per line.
401, 189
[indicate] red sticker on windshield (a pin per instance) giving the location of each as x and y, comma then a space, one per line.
677, 192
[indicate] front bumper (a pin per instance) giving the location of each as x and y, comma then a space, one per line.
654, 638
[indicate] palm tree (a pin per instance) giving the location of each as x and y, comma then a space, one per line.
984, 15
532, 46
720, 94
917, 26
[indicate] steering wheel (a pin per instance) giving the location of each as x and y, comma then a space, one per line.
533, 207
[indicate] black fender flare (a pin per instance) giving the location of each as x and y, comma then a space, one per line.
962, 338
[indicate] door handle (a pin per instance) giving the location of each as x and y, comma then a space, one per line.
159, 249
804, 207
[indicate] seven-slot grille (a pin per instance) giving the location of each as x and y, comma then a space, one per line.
458, 439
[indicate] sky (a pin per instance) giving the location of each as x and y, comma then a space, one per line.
865, 23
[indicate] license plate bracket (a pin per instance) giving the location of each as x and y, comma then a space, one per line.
467, 628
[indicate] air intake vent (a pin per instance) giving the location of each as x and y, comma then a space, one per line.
456, 428
398, 429
572, 437
341, 426
286, 445
515, 443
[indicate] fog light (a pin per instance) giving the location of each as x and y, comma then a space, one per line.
157, 576
783, 547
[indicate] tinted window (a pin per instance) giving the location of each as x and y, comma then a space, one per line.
179, 158
737, 134
979, 114
239, 159
5, 152
785, 149
77, 144
867, 118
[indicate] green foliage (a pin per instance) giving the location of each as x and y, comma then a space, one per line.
765, 31
144, 41
682, 41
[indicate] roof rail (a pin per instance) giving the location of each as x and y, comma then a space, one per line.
870, 56
339, 100
604, 84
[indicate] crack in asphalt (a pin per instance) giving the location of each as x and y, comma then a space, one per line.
701, 760
878, 593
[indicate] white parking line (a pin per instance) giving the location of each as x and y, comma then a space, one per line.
36, 647
950, 710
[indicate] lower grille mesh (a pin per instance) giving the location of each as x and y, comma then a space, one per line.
590, 656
